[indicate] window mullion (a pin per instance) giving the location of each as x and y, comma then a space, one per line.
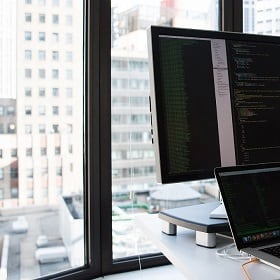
232, 15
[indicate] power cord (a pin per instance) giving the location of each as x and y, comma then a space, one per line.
246, 263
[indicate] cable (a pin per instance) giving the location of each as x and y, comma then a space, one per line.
230, 252
246, 263
139, 262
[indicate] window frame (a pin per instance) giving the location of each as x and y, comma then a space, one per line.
230, 20
97, 144
109, 265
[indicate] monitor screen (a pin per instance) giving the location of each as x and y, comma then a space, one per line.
215, 100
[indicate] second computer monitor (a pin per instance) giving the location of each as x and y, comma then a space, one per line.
215, 100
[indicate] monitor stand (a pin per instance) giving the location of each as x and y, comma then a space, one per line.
196, 217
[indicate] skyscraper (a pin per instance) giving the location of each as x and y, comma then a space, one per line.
42, 68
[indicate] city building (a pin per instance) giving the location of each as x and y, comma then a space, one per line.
267, 17
42, 70
43, 99
8, 152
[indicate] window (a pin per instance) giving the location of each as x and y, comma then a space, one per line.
28, 54
2, 110
55, 37
11, 128
55, 55
10, 110
69, 92
29, 173
42, 110
55, 19
68, 38
13, 152
28, 152
28, 110
69, 56
28, 129
68, 74
14, 172
42, 73
59, 171
69, 110
42, 36
42, 18
42, 92
57, 151
55, 74
50, 190
1, 153
41, 55
55, 110
2, 128
28, 92
28, 35
14, 192
28, 73
129, 80
42, 128
28, 17
43, 151
68, 20
55, 92
55, 128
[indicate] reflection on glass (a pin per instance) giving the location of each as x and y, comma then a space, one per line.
133, 163
41, 182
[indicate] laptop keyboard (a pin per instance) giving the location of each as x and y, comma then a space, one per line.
275, 250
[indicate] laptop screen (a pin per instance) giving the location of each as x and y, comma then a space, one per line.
251, 198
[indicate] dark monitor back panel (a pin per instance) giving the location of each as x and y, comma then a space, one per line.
214, 100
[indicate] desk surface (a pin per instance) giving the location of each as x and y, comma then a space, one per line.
197, 262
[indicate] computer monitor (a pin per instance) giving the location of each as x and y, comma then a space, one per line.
215, 100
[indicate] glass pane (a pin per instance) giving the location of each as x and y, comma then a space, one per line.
41, 182
133, 161
261, 17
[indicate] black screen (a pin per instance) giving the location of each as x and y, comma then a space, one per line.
192, 135
250, 197
215, 101
255, 93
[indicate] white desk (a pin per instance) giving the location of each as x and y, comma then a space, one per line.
197, 262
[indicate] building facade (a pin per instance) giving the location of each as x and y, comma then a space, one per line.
42, 64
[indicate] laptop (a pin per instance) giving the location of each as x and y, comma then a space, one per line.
251, 196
